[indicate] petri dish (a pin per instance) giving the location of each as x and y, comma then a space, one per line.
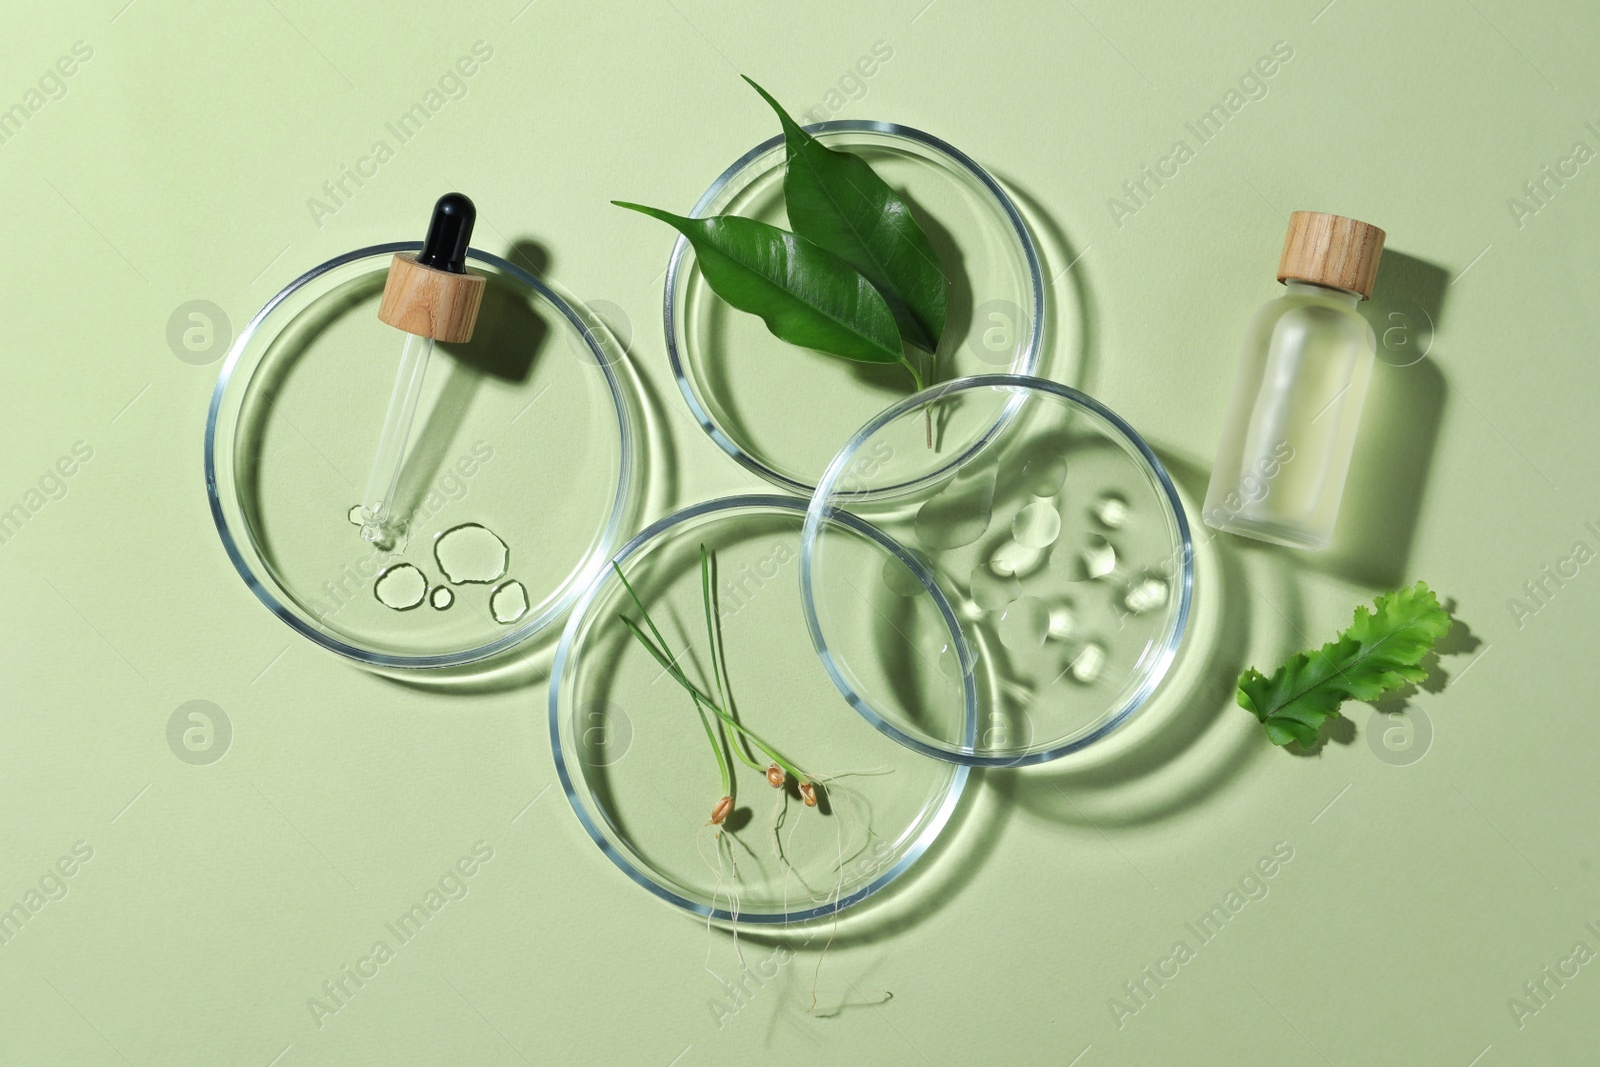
742, 384
1059, 541
516, 482
635, 762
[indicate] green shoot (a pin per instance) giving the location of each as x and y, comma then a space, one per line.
719, 663
658, 650
672, 668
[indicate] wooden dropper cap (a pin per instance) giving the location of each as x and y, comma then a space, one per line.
1331, 250
432, 294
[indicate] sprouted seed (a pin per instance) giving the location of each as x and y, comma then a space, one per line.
726, 734
707, 708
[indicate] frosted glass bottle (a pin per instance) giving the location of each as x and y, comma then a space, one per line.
1302, 380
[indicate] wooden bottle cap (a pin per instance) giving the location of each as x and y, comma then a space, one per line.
432, 303
1331, 250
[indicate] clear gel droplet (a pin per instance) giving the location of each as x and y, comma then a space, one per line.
508, 601
1062, 621
1146, 594
948, 660
1089, 662
991, 591
1025, 624
400, 587
1044, 475
959, 513
442, 597
355, 515
1098, 559
471, 553
1111, 510
1037, 525
1013, 560
899, 579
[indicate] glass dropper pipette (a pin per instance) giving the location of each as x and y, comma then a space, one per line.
432, 297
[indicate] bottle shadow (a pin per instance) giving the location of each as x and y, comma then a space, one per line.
1179, 750
1399, 428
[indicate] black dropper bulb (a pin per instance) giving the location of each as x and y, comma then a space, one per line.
449, 233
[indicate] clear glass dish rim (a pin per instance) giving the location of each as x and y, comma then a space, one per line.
522, 633
814, 518
680, 247
925, 839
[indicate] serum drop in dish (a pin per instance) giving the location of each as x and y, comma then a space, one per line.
1302, 380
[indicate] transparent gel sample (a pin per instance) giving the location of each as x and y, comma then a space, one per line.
1059, 543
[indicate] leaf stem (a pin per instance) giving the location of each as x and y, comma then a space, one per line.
927, 410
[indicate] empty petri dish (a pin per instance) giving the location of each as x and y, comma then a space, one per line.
1058, 541
519, 469
740, 382
635, 761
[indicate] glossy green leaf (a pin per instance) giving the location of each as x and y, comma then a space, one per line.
805, 294
1380, 652
838, 201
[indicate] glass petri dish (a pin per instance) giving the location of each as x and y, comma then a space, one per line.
740, 382
1058, 539
636, 765
516, 481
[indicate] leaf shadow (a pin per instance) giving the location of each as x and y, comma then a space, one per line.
1458, 640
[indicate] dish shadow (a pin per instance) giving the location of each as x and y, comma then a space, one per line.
1058, 253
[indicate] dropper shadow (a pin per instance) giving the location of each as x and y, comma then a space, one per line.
655, 479
531, 255
507, 339
1399, 428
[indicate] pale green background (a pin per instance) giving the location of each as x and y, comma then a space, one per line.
178, 166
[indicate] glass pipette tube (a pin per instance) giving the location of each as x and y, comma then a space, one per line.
378, 521
430, 296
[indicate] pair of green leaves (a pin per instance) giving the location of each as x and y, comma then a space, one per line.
1381, 651
856, 277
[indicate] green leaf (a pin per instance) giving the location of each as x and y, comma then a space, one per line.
838, 201
1380, 652
805, 294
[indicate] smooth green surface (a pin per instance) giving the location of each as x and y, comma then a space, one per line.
176, 164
